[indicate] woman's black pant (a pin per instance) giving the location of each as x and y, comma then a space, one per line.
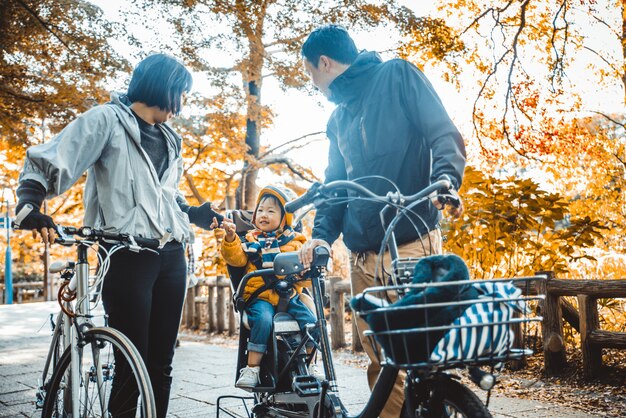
143, 295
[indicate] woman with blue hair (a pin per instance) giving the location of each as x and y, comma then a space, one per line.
134, 164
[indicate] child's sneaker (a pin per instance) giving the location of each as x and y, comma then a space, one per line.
317, 371
248, 378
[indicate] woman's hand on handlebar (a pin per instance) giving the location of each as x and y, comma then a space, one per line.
40, 223
306, 252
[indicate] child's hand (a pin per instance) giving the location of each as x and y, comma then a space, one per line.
230, 229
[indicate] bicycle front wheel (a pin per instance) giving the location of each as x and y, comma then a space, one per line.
98, 395
446, 398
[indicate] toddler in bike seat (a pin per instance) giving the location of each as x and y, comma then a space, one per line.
273, 233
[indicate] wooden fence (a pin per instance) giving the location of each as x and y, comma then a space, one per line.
585, 320
337, 289
24, 292
209, 306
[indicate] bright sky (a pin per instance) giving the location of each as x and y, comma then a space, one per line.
298, 113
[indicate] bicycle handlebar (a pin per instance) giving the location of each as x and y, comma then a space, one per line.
317, 189
134, 243
104, 236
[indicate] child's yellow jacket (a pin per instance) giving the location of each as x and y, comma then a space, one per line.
235, 256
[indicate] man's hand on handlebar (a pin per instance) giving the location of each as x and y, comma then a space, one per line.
448, 199
450, 202
306, 252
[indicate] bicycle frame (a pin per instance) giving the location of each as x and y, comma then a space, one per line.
383, 386
71, 328
81, 320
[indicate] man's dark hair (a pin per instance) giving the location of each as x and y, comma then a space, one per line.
332, 41
160, 80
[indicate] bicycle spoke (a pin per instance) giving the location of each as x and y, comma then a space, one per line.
98, 395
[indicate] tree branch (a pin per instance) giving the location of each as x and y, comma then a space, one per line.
611, 66
279, 159
286, 41
45, 25
194, 189
271, 150
610, 118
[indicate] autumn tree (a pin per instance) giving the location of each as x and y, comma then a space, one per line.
55, 59
540, 77
519, 56
261, 39
513, 227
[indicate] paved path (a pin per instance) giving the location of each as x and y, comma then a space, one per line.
202, 372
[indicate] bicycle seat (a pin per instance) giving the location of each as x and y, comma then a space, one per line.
283, 322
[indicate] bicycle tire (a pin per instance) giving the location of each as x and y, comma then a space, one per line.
55, 351
450, 398
100, 344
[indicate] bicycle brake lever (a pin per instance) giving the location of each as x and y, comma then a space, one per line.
132, 244
165, 238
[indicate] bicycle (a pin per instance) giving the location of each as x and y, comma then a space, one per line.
431, 388
82, 357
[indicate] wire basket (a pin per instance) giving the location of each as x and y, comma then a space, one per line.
448, 324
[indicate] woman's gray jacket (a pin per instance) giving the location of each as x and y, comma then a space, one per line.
123, 192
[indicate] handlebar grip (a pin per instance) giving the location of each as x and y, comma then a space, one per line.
303, 200
294, 205
153, 244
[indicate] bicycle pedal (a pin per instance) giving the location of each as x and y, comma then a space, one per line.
306, 386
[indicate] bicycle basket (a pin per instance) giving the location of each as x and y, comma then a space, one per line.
446, 322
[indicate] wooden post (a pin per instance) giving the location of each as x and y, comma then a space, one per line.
197, 313
337, 335
518, 342
356, 340
589, 322
189, 308
232, 323
220, 303
552, 329
210, 322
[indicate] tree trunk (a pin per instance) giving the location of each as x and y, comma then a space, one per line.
247, 190
624, 47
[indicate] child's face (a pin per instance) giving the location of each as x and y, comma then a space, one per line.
268, 215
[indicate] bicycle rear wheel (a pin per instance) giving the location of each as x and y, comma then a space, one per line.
446, 398
96, 371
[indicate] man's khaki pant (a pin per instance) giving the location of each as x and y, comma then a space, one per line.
362, 276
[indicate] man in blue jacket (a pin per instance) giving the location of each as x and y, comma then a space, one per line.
389, 123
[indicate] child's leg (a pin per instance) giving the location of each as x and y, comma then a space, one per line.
260, 317
303, 316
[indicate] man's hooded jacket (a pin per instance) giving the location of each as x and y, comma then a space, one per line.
390, 123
